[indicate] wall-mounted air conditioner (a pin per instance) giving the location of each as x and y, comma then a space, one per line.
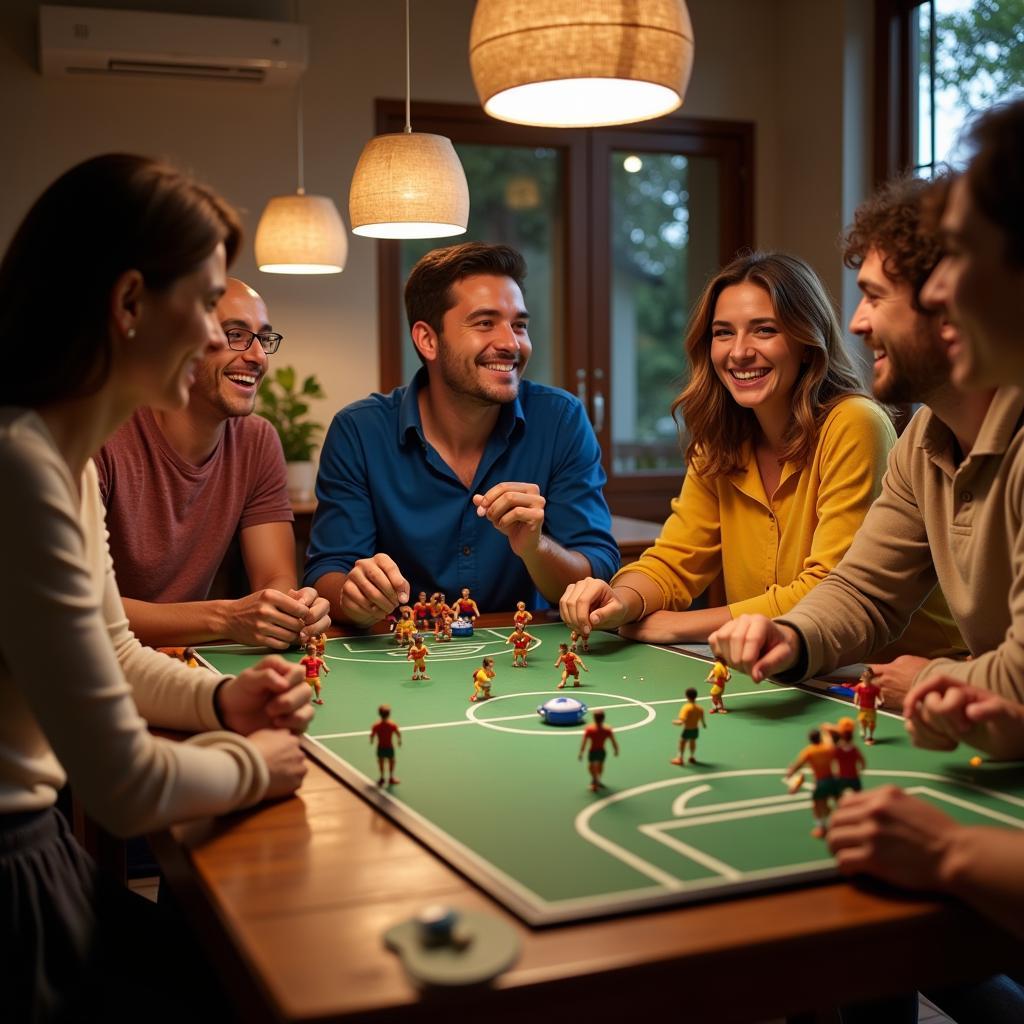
95, 41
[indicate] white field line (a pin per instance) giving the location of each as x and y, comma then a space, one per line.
533, 716
692, 853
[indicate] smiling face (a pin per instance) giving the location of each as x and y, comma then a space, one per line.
980, 292
227, 380
176, 328
910, 348
755, 361
484, 344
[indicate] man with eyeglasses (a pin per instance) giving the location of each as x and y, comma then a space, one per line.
179, 485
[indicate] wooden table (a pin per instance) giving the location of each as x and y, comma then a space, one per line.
292, 898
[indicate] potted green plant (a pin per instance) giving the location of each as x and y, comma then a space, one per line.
286, 406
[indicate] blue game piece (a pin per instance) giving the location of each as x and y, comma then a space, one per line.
562, 711
462, 627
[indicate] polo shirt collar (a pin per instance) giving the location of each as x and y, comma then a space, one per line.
997, 429
409, 419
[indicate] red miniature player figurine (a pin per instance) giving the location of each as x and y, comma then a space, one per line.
574, 640
386, 732
482, 680
848, 759
572, 663
418, 652
597, 735
465, 606
443, 628
520, 641
439, 609
718, 677
691, 718
867, 696
313, 664
321, 644
522, 616
421, 612
819, 754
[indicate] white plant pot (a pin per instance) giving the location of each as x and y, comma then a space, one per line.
301, 479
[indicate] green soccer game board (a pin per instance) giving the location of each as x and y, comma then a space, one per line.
501, 795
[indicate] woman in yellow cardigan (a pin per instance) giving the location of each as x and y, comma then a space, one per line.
785, 455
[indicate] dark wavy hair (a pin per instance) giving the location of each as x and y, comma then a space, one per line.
717, 428
103, 217
428, 291
895, 221
995, 175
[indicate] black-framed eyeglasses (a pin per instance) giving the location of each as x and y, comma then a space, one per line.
240, 339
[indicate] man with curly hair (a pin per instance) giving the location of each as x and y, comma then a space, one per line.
949, 500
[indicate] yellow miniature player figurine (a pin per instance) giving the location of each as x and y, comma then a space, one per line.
520, 641
321, 645
385, 732
868, 697
522, 616
418, 652
482, 680
718, 677
572, 663
691, 718
819, 754
313, 665
406, 626
597, 735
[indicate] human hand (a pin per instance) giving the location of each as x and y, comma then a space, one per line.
756, 645
517, 511
589, 604
271, 695
372, 589
318, 613
893, 836
266, 618
286, 763
943, 712
897, 676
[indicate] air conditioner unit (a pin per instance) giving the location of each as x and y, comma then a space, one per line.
95, 41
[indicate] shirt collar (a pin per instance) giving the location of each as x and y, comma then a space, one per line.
509, 417
997, 429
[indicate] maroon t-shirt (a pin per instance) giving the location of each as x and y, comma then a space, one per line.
170, 522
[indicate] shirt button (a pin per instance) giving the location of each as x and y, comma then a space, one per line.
467, 550
771, 516
966, 496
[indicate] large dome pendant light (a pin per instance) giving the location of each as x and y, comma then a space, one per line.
409, 184
566, 64
301, 234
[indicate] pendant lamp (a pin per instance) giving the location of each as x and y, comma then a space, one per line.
408, 184
301, 234
567, 64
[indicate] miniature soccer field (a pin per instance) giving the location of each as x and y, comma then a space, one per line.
503, 798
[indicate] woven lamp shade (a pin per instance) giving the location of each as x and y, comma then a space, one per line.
576, 63
409, 185
300, 234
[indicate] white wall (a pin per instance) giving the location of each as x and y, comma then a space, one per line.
780, 63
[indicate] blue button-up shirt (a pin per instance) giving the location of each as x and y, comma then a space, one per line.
382, 487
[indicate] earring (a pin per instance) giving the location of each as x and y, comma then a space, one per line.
130, 332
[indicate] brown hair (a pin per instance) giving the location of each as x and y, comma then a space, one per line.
103, 217
428, 291
718, 428
894, 221
995, 176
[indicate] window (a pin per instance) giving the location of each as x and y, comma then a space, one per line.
620, 228
939, 63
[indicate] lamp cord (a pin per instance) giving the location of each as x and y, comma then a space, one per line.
408, 82
299, 147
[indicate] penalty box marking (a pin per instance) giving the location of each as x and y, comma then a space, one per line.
554, 730
751, 808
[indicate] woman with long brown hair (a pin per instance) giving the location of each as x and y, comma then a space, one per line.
785, 453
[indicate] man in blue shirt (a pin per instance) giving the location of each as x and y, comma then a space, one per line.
467, 477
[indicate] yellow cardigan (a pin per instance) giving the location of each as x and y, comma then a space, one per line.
771, 552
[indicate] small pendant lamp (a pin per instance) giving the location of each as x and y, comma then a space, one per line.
301, 234
408, 184
567, 64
